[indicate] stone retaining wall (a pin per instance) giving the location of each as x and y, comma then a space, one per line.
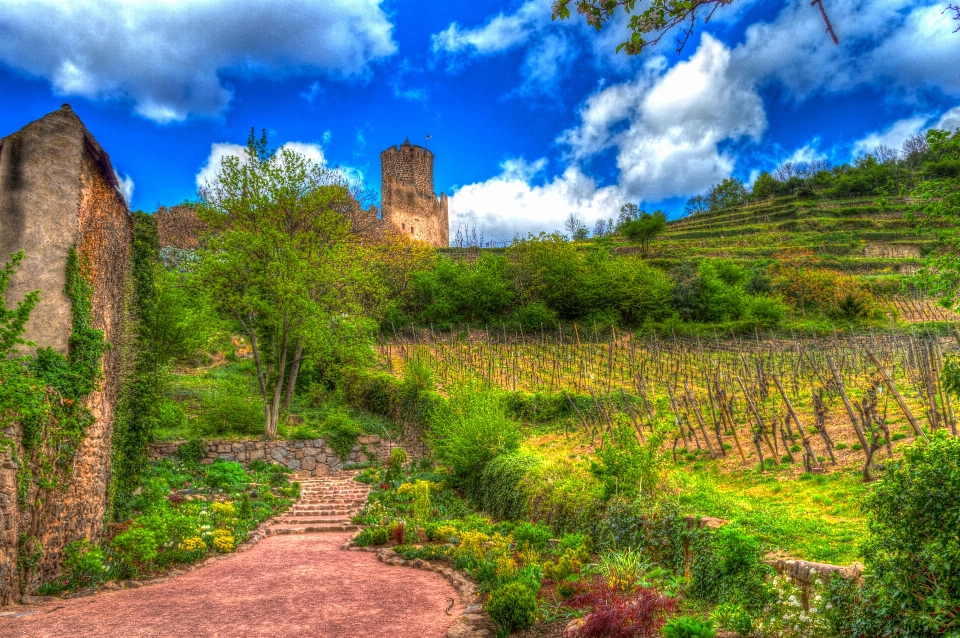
309, 458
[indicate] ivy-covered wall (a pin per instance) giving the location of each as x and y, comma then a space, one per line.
57, 407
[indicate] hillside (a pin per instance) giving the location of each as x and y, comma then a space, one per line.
856, 236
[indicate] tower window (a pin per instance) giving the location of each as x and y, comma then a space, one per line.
411, 230
403, 226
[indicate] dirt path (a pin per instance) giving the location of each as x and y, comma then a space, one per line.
297, 585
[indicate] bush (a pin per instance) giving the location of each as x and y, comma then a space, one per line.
136, 546
532, 534
230, 408
226, 474
534, 316
341, 431
170, 416
765, 312
617, 614
689, 627
628, 468
512, 607
727, 567
498, 491
372, 536
913, 551
733, 618
192, 451
83, 563
472, 430
303, 432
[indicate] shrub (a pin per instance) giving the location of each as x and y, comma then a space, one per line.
230, 408
83, 564
136, 546
378, 535
914, 511
689, 627
192, 451
765, 312
472, 430
303, 432
727, 567
170, 415
340, 432
628, 468
534, 316
532, 534
498, 491
512, 607
733, 618
618, 614
226, 474
398, 457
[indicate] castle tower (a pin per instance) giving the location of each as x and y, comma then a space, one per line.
409, 204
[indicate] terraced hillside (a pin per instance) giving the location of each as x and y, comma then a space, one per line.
856, 236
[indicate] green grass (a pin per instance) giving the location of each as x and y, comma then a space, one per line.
815, 517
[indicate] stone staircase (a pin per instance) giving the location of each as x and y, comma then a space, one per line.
326, 505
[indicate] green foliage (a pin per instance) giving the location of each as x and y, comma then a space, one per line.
230, 408
626, 467
644, 229
136, 546
512, 607
499, 491
192, 451
689, 627
733, 618
532, 534
727, 568
225, 474
83, 563
278, 260
535, 316
471, 430
12, 322
340, 431
914, 584
377, 535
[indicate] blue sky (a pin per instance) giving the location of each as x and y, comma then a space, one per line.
530, 119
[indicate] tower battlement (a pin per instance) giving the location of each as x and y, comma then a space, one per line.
409, 202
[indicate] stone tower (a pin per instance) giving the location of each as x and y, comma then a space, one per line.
409, 204
59, 192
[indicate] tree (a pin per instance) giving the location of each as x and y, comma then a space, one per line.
600, 228
765, 186
628, 213
279, 260
659, 18
696, 205
939, 200
729, 192
575, 227
645, 229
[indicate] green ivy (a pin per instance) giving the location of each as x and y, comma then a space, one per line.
142, 393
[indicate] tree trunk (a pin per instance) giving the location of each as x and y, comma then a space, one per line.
294, 371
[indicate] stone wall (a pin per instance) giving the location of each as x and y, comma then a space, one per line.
409, 204
308, 458
58, 191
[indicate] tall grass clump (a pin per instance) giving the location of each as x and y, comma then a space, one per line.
471, 430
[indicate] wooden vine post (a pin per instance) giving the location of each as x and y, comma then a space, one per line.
810, 457
896, 395
847, 404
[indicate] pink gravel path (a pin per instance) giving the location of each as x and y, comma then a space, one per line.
298, 585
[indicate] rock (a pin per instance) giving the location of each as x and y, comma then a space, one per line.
293, 464
37, 600
257, 453
573, 627
475, 608
368, 439
110, 586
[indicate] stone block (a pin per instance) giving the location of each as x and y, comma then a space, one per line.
309, 463
256, 454
278, 454
368, 439
293, 464
206, 461
310, 451
297, 444
250, 445
355, 448
298, 454
227, 456
237, 447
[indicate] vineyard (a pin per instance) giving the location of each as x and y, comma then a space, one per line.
815, 403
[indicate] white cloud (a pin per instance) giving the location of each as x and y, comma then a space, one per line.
545, 65
950, 121
126, 187
892, 42
667, 126
892, 136
508, 205
218, 151
166, 57
806, 154
498, 34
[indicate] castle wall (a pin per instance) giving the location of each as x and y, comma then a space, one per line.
409, 203
58, 190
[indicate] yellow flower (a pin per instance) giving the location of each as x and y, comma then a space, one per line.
506, 567
223, 540
471, 544
223, 509
191, 544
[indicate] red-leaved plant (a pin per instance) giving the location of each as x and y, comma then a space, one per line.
617, 614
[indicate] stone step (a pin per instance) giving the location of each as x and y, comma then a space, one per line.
320, 512
311, 529
314, 521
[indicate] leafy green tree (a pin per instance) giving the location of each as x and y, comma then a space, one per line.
765, 186
280, 261
729, 192
645, 229
936, 200
913, 553
656, 19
